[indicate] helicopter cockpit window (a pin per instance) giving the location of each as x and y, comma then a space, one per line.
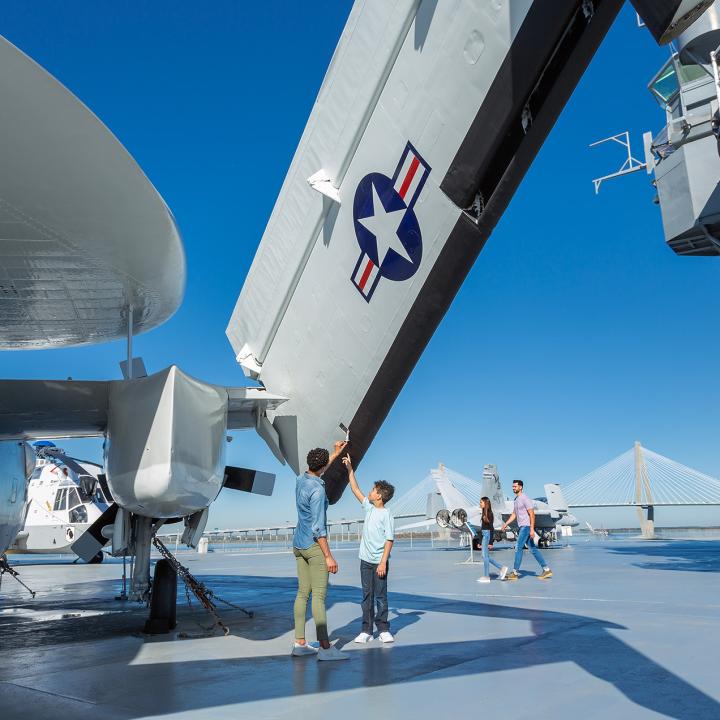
73, 498
87, 487
61, 499
99, 497
79, 514
37, 472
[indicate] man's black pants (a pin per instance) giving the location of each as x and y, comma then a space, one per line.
374, 591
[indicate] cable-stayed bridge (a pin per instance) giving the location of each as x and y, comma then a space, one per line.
643, 479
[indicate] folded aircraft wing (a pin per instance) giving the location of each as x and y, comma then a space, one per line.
426, 122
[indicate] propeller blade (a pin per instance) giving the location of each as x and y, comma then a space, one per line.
92, 541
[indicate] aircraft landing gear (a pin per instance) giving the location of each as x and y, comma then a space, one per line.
163, 600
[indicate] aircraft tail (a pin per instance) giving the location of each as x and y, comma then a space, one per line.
492, 488
555, 498
452, 497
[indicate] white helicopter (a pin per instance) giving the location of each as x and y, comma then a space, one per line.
65, 497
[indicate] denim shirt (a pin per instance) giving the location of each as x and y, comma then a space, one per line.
312, 505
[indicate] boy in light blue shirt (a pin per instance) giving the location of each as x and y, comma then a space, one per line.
377, 539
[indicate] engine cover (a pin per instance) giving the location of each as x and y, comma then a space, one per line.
165, 446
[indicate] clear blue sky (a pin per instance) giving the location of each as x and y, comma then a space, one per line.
577, 332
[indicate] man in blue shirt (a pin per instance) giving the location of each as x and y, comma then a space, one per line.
312, 554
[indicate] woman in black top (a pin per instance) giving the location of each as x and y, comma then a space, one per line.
486, 529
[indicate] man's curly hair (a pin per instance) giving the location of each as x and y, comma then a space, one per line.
317, 459
386, 490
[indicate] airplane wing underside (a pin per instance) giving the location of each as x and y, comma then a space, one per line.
428, 118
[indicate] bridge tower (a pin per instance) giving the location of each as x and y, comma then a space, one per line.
642, 482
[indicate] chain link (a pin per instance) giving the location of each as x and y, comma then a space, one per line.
206, 597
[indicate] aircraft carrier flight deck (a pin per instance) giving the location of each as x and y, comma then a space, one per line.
626, 628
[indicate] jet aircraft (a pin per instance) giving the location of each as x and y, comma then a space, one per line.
460, 514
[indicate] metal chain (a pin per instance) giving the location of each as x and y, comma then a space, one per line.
206, 597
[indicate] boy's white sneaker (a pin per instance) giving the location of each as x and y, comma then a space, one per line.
300, 650
503, 572
363, 637
331, 653
484, 579
386, 637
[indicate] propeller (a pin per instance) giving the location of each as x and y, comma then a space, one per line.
92, 541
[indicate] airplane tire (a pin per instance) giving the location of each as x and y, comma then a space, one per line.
97, 559
163, 602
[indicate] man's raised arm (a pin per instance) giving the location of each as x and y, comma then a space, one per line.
337, 449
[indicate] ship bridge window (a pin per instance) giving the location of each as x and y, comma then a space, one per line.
691, 73
665, 85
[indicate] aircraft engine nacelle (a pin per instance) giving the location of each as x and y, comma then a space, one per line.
443, 518
165, 447
458, 518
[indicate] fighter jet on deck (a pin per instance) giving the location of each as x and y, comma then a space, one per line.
462, 515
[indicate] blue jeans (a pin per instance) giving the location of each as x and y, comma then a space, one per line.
524, 537
374, 591
487, 560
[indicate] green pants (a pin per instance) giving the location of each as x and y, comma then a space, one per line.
312, 578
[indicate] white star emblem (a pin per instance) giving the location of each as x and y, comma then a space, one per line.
384, 226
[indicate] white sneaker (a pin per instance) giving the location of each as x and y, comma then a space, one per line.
300, 650
386, 637
484, 579
363, 637
331, 653
503, 572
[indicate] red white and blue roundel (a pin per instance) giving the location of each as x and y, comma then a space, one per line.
386, 226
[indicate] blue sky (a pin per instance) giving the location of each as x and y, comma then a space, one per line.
577, 331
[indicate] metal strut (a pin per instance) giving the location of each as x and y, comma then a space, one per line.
5, 568
205, 596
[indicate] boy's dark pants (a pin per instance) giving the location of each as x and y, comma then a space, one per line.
374, 590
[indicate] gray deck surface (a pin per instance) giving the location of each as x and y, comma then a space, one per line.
625, 629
